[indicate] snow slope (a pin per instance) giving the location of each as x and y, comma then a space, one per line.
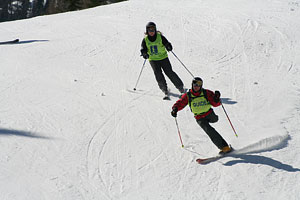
72, 128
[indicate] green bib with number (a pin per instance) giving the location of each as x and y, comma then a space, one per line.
156, 49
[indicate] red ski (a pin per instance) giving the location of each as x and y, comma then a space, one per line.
208, 160
203, 161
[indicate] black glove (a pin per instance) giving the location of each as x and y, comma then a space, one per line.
217, 96
174, 112
169, 47
145, 55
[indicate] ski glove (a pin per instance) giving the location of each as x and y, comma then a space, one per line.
217, 96
169, 47
174, 112
145, 55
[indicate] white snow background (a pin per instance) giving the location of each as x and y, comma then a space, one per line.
71, 127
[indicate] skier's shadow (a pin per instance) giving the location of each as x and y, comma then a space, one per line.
10, 132
262, 160
246, 155
30, 41
228, 101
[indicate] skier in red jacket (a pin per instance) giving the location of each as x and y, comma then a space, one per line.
201, 101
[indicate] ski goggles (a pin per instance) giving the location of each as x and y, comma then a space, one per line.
197, 83
151, 29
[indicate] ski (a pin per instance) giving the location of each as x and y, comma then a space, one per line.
166, 97
141, 92
10, 42
208, 160
204, 161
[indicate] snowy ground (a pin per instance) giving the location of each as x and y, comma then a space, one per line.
71, 127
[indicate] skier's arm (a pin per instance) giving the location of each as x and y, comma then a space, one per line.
144, 50
211, 97
164, 40
144, 47
166, 43
181, 103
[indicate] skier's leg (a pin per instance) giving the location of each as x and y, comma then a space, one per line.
212, 117
160, 78
167, 67
215, 137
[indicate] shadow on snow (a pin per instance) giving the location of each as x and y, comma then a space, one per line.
268, 144
228, 101
262, 160
17, 41
31, 41
10, 132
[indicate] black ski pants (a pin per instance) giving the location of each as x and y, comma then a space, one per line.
215, 137
164, 65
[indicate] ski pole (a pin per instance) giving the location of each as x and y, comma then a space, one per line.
139, 75
229, 120
182, 64
179, 133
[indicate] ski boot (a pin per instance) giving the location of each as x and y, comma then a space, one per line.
167, 95
225, 150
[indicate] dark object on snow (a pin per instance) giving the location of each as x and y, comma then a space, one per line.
10, 42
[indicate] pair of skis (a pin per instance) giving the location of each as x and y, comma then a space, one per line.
166, 97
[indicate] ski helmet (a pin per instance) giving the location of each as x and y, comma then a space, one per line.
197, 81
150, 25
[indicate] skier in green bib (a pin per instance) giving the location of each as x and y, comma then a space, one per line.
154, 47
201, 101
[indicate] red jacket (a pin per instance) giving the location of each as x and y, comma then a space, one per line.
183, 101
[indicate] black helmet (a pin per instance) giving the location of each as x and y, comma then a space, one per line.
198, 81
150, 25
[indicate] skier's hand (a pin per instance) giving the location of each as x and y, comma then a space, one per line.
145, 55
217, 96
174, 112
169, 47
